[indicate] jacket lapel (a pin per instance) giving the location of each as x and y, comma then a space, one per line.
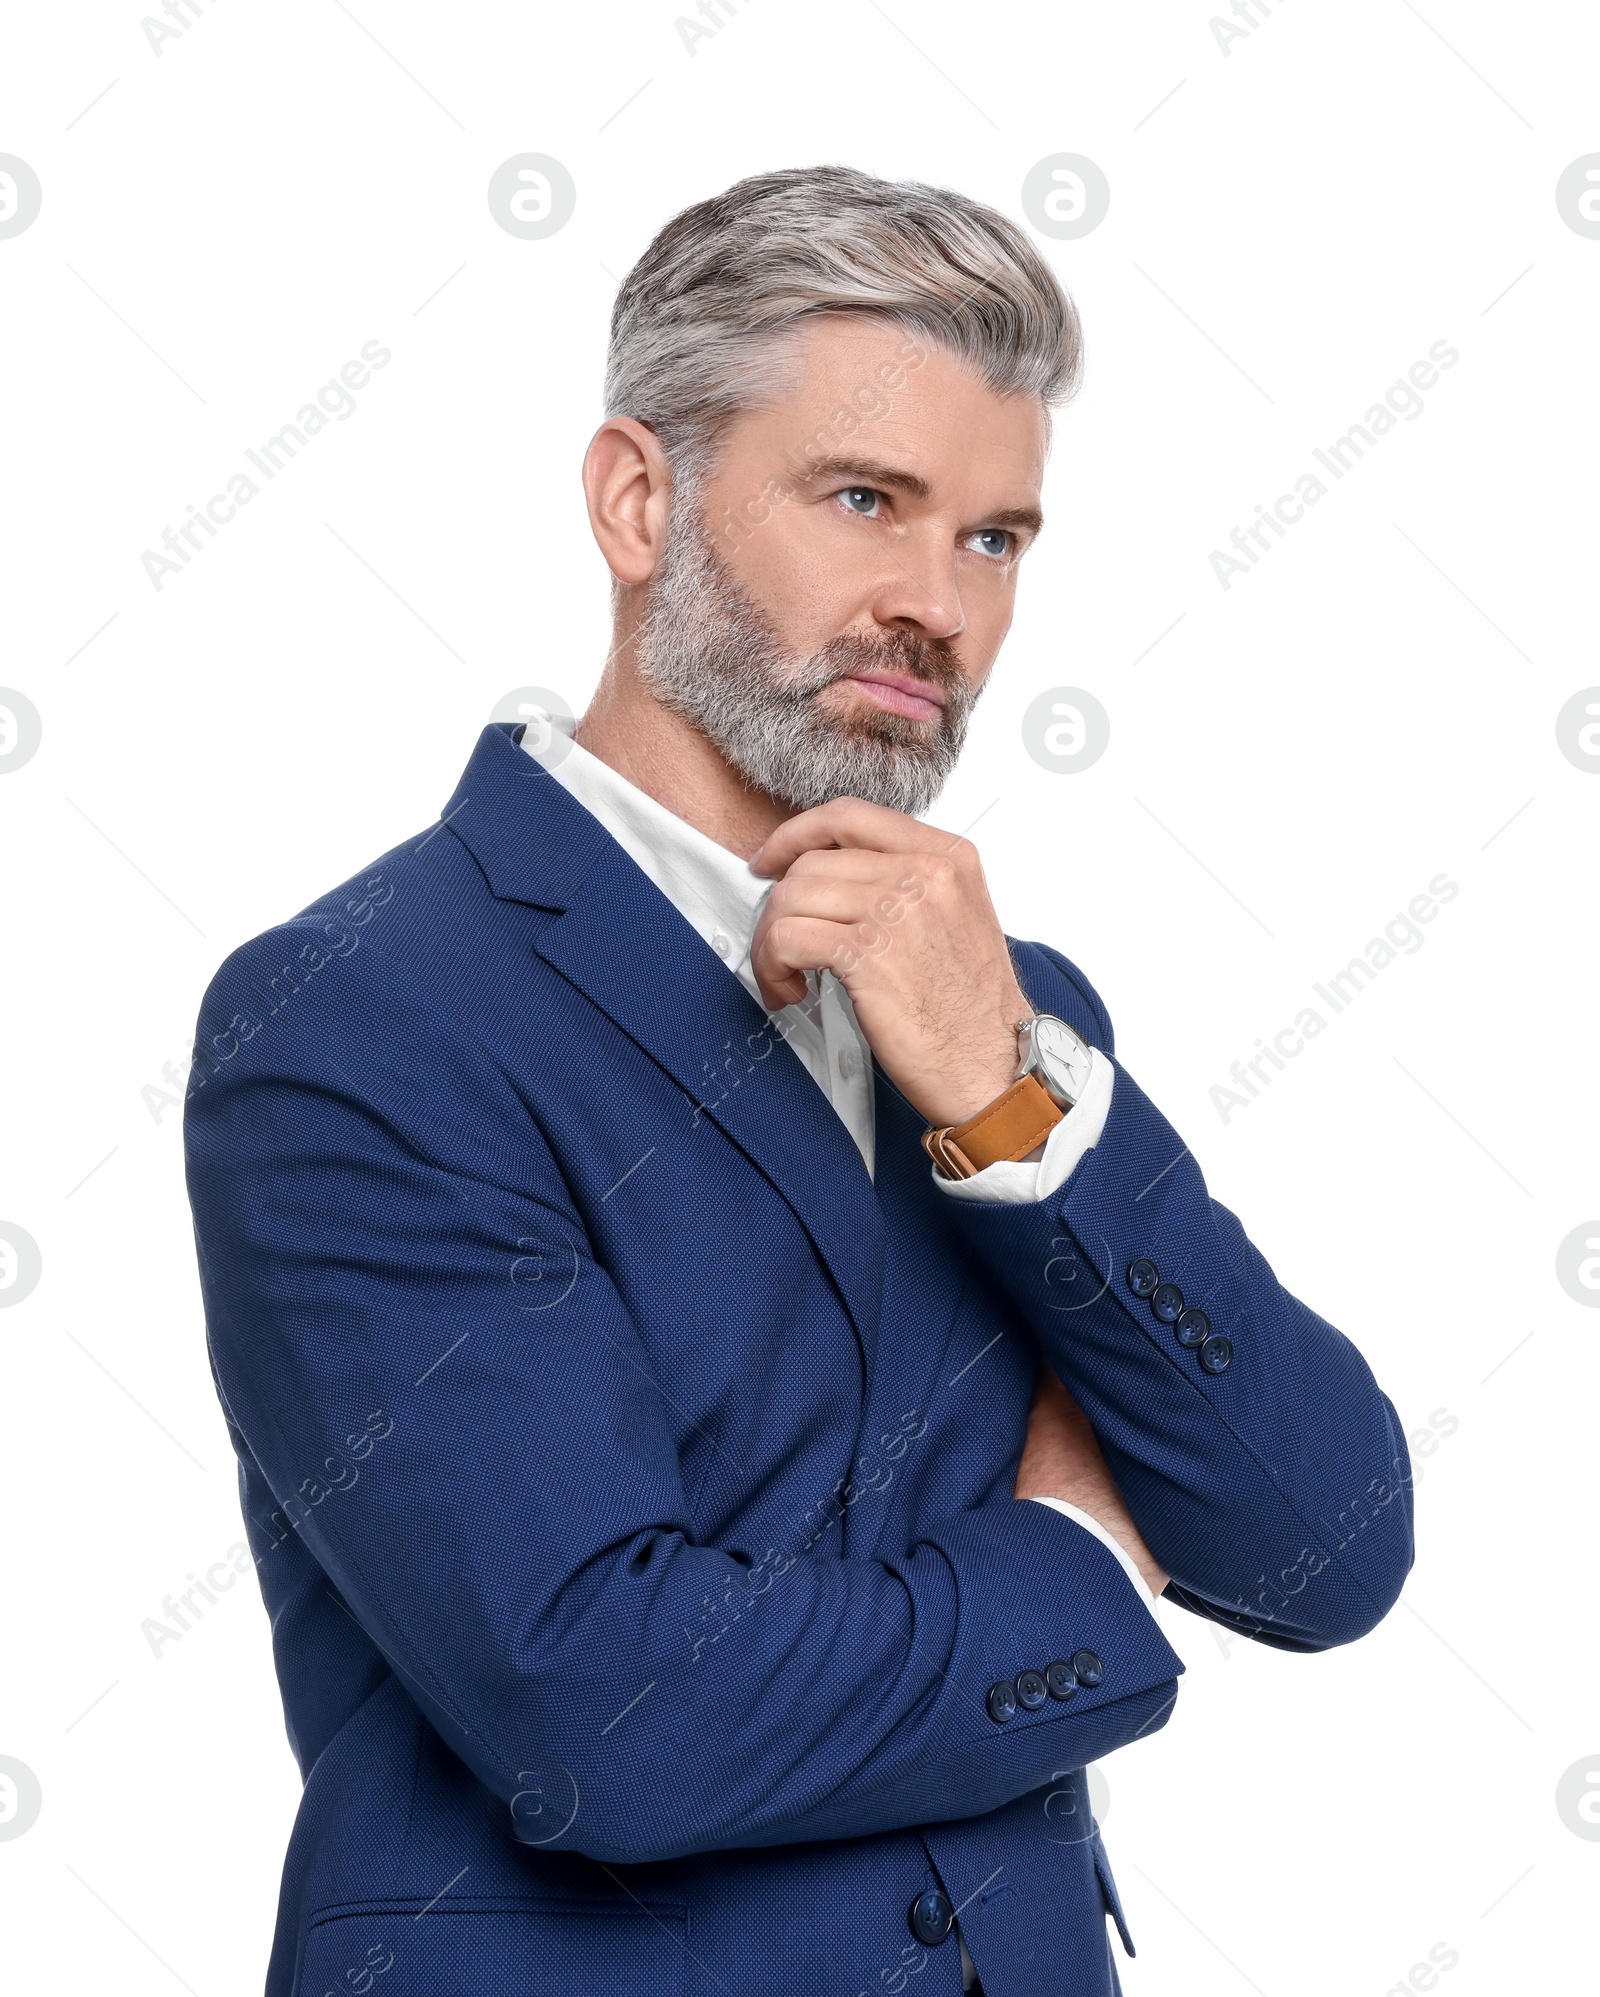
625, 947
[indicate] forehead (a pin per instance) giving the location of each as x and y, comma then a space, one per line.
859, 386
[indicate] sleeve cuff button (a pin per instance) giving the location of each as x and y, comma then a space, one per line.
1002, 1702
1192, 1329
1061, 1681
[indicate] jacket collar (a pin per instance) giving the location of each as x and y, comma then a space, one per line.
626, 948
534, 843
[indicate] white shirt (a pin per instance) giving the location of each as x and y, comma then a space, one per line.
718, 896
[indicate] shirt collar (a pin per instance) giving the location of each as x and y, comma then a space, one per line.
713, 889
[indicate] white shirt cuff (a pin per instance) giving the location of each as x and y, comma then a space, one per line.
1077, 1133
1107, 1540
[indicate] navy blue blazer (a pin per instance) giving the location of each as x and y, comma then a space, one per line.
629, 1475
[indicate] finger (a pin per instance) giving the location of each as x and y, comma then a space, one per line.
850, 863
887, 884
847, 821
862, 913
780, 989
789, 946
892, 884
827, 895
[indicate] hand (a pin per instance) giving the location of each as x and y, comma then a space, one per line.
1062, 1459
899, 912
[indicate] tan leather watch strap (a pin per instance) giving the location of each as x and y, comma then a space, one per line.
1002, 1131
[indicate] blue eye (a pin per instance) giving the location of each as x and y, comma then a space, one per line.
992, 541
862, 499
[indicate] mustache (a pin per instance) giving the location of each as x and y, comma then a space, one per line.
930, 659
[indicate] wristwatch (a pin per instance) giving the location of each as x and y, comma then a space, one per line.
1052, 1072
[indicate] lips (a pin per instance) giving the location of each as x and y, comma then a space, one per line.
917, 699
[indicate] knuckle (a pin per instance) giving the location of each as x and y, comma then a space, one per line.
787, 935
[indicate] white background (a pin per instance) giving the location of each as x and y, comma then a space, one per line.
1374, 703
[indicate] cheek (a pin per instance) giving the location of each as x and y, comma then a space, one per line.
809, 580
988, 603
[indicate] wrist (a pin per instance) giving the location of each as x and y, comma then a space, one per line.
962, 1096
982, 1072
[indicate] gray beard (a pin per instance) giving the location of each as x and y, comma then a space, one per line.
706, 652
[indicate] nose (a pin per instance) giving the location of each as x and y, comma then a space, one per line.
919, 590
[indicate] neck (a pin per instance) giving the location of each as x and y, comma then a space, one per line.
670, 760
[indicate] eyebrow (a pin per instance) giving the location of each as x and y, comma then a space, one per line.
870, 471
873, 471
1016, 516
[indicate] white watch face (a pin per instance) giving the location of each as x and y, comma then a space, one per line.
1062, 1056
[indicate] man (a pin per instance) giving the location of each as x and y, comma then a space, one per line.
659, 1238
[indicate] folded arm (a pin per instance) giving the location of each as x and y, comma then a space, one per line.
1266, 1471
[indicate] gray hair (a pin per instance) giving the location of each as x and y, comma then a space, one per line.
703, 326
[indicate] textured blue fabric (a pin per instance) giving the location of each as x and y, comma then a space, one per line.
629, 1476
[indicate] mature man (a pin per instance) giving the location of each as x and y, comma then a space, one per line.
647, 1220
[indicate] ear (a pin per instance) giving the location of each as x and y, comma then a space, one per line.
627, 484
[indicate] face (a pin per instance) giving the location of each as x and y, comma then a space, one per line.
830, 610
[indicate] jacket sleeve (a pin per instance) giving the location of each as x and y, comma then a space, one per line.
1268, 1474
382, 1230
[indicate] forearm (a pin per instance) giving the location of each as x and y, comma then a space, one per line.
1275, 1488
1063, 1465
